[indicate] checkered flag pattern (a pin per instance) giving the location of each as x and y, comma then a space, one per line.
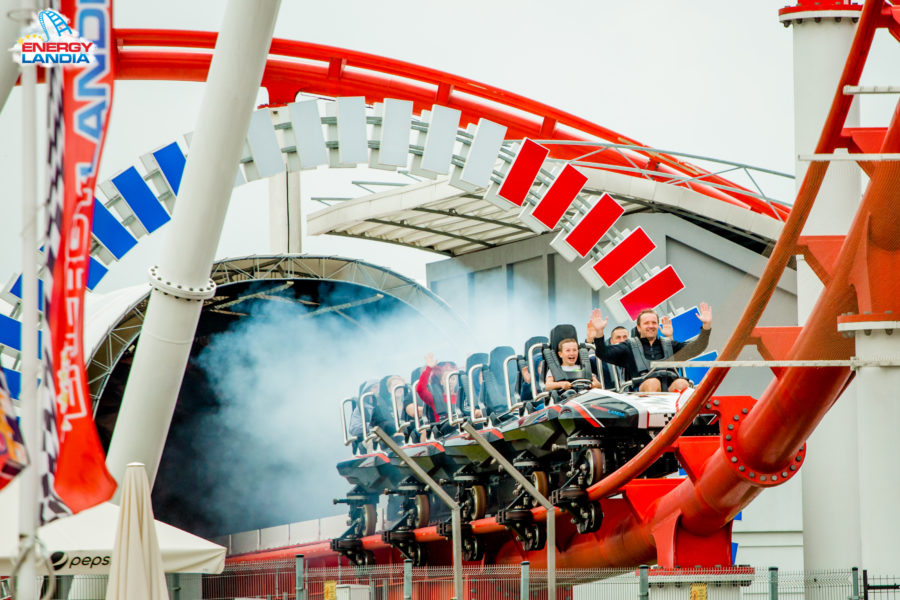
51, 507
54, 203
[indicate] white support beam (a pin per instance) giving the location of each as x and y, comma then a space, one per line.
182, 279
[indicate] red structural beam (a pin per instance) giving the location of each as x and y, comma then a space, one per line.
296, 67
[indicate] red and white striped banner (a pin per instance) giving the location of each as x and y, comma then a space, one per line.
76, 474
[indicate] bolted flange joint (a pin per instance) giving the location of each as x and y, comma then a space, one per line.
732, 411
179, 290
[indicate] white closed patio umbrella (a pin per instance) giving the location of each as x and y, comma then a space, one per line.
136, 571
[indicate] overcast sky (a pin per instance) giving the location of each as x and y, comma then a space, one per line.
704, 77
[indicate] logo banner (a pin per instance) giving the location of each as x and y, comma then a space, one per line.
80, 100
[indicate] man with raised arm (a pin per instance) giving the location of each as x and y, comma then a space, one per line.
635, 354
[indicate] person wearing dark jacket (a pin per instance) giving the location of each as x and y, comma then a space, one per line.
614, 375
635, 355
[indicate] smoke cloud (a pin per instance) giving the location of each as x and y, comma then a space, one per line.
258, 430
264, 438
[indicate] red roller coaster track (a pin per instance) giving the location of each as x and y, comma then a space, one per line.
300, 67
672, 522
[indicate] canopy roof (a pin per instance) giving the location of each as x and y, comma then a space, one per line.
82, 544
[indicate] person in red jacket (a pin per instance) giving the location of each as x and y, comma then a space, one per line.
430, 388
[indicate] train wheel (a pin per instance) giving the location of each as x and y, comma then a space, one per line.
540, 481
591, 518
594, 460
473, 549
420, 555
369, 518
479, 501
596, 516
537, 537
423, 510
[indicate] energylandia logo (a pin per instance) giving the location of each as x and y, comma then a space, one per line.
58, 44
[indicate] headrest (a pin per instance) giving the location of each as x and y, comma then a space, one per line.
495, 366
560, 333
494, 381
498, 355
414, 376
369, 385
383, 389
478, 358
537, 339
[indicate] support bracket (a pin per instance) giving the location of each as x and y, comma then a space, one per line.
178, 290
732, 411
821, 253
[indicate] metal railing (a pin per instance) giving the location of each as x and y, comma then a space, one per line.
276, 581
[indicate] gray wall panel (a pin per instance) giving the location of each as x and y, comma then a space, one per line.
713, 268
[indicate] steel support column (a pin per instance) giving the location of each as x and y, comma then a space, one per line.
879, 444
285, 214
456, 523
26, 586
182, 280
830, 523
534, 493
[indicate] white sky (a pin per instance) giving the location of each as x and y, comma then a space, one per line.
704, 77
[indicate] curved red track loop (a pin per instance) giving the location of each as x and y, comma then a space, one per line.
346, 72
778, 260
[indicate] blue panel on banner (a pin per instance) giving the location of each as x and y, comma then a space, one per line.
10, 332
13, 382
96, 271
686, 325
16, 290
695, 374
734, 547
141, 199
110, 232
171, 162
739, 516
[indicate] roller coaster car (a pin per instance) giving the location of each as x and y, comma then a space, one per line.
563, 442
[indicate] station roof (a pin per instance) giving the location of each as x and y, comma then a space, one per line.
433, 215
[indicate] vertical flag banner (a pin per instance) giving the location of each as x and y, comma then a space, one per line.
12, 451
74, 475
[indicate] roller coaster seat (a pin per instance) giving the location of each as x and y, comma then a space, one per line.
471, 392
437, 413
666, 376
528, 390
366, 402
496, 401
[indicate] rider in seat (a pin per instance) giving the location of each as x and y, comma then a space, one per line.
569, 363
636, 354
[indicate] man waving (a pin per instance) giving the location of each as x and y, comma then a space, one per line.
635, 354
